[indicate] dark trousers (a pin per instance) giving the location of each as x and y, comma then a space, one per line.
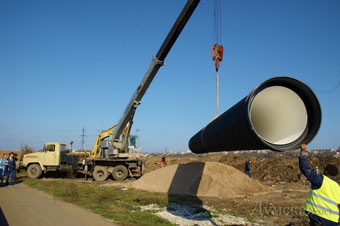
248, 173
10, 175
314, 223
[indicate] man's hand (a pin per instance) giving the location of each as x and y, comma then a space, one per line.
303, 149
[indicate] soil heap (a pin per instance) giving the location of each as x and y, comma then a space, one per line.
209, 179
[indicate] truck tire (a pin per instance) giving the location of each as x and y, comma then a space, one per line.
34, 171
100, 173
120, 172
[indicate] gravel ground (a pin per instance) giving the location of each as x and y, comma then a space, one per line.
189, 215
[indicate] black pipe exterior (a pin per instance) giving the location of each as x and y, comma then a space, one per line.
233, 129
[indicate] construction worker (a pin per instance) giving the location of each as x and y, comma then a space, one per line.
247, 169
163, 162
322, 206
3, 167
11, 169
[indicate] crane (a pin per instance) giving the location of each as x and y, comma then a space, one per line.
119, 156
120, 132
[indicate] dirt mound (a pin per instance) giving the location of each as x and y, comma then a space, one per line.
275, 169
210, 179
279, 168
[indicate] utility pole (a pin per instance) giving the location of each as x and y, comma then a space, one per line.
71, 142
83, 139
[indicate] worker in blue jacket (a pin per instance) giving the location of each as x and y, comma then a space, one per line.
322, 206
11, 169
247, 169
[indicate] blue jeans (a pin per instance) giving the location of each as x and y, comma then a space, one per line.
248, 173
10, 174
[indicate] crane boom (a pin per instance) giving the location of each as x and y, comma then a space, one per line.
156, 63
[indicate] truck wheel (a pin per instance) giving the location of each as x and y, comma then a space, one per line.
120, 172
100, 173
34, 171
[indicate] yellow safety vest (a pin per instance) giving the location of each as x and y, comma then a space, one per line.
324, 201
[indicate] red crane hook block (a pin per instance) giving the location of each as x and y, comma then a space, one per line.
217, 55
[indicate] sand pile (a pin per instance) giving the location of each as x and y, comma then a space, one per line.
210, 179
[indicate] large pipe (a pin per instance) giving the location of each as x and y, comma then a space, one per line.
280, 114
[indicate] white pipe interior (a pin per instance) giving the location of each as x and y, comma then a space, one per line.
278, 115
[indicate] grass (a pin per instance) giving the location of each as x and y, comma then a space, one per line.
113, 203
122, 206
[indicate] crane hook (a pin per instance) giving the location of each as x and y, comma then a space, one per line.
217, 55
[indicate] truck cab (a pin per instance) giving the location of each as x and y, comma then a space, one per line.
52, 153
51, 158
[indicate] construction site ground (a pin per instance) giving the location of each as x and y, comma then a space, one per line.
280, 171
282, 205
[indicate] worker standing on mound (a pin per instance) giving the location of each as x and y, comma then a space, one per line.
247, 168
322, 206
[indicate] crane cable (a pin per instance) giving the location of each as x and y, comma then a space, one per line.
217, 48
217, 37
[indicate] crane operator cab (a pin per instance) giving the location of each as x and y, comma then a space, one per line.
133, 148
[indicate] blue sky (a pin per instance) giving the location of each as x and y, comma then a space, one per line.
65, 65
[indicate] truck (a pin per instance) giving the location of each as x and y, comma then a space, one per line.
56, 157
120, 155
